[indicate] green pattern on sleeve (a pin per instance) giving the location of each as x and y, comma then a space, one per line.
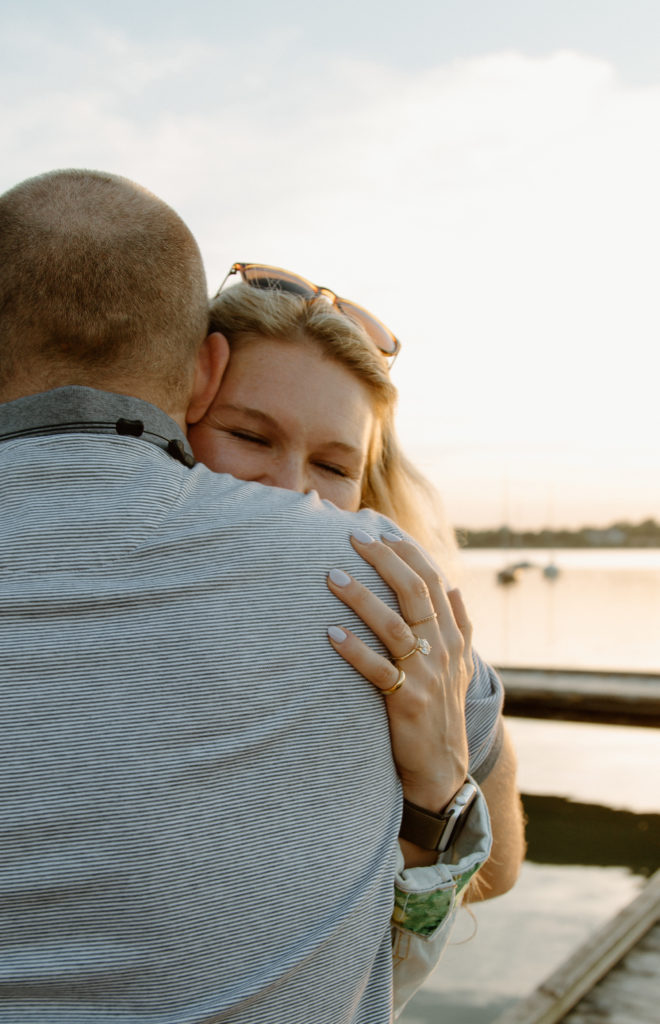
424, 912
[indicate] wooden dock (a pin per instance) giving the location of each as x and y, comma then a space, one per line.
613, 978
616, 698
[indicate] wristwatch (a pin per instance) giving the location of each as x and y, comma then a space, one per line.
437, 831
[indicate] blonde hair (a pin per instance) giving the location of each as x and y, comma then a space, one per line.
391, 485
99, 279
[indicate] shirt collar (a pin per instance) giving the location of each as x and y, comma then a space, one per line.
80, 410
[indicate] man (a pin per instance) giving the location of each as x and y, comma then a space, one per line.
199, 805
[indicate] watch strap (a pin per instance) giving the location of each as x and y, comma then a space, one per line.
437, 831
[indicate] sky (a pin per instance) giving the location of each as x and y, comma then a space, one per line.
482, 175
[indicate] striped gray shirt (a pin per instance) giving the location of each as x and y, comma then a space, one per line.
198, 805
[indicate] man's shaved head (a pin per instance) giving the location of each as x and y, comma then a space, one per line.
100, 282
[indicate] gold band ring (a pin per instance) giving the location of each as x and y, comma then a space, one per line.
397, 686
427, 618
421, 645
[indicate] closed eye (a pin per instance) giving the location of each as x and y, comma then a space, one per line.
335, 470
244, 436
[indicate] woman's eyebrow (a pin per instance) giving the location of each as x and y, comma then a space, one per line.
245, 410
350, 449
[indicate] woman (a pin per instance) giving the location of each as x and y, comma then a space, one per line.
307, 404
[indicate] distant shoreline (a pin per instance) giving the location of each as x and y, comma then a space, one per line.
619, 535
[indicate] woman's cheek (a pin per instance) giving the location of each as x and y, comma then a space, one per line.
217, 451
205, 443
343, 493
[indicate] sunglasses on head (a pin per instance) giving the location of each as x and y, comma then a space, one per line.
258, 275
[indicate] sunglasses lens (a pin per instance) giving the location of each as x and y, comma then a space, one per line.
273, 277
378, 332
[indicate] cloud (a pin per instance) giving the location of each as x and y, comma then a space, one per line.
499, 212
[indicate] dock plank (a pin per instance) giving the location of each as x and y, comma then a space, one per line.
630, 992
613, 977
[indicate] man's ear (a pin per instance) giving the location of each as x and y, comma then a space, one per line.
211, 364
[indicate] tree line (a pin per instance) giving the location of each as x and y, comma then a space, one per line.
645, 534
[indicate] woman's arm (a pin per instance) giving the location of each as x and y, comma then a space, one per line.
427, 713
500, 789
427, 718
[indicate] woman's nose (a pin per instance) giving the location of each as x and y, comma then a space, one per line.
290, 474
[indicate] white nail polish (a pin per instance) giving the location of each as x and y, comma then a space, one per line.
362, 537
339, 577
336, 634
391, 537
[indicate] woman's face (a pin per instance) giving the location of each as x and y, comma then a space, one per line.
287, 417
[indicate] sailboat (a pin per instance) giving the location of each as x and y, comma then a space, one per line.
551, 570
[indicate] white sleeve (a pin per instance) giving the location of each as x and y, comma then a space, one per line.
427, 899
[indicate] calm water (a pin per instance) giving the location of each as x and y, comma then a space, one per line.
593, 802
590, 791
601, 612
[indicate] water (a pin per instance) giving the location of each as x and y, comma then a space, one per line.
507, 953
593, 801
601, 612
590, 791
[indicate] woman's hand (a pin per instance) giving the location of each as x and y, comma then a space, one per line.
426, 713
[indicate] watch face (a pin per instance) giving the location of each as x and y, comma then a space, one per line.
458, 811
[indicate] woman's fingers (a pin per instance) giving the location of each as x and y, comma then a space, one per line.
436, 583
382, 620
427, 712
410, 585
414, 639
419, 587
383, 674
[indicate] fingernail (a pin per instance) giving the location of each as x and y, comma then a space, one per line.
339, 577
362, 537
336, 634
391, 537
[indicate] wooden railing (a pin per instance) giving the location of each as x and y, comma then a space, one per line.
624, 698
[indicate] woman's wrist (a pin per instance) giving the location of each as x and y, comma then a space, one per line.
433, 797
434, 800
416, 857
434, 793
